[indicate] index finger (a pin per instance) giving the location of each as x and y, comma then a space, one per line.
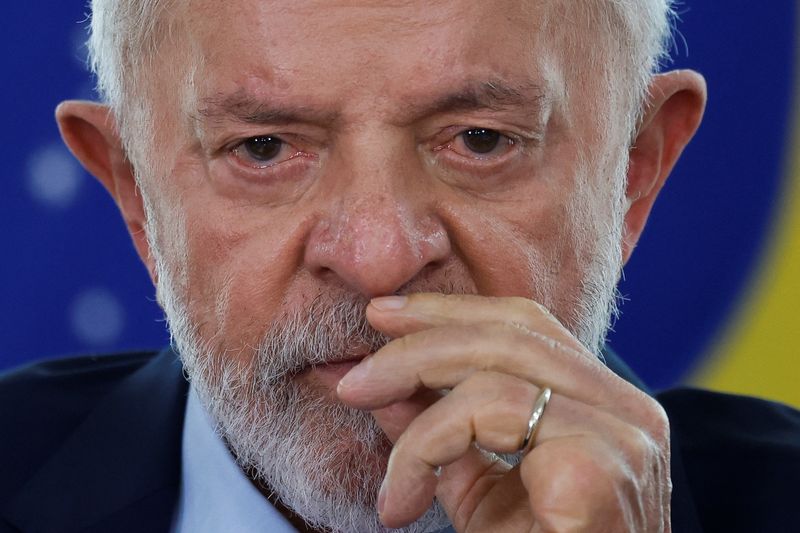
401, 315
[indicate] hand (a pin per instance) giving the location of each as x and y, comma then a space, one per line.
601, 455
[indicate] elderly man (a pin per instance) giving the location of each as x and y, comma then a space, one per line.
386, 237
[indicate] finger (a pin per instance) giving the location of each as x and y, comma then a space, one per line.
401, 315
440, 358
490, 410
395, 418
466, 476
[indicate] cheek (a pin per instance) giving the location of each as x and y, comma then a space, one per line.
519, 251
241, 263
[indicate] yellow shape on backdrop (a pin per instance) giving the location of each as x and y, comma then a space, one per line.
759, 354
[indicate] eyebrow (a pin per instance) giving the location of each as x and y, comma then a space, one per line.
493, 95
241, 106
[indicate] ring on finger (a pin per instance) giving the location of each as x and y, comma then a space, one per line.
534, 420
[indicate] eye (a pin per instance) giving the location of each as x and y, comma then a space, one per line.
481, 142
264, 151
263, 148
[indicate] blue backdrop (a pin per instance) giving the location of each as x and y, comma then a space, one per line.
71, 282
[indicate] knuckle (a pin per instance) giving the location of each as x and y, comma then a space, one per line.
577, 486
645, 459
653, 419
517, 393
499, 419
409, 447
637, 449
649, 415
659, 424
571, 468
496, 429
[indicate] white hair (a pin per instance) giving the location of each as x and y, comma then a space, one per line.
643, 46
124, 38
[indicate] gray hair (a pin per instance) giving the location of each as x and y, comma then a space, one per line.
124, 39
126, 35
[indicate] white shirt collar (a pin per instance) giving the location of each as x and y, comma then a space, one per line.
215, 495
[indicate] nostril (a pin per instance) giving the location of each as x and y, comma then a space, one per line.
433, 266
322, 272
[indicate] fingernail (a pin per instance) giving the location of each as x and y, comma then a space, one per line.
356, 374
382, 497
389, 303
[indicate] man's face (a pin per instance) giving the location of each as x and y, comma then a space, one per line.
329, 152
369, 172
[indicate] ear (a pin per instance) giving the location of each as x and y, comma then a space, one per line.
672, 114
90, 132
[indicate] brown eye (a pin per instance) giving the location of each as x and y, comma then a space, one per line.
481, 140
263, 149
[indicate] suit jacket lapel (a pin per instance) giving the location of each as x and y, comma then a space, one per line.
123, 457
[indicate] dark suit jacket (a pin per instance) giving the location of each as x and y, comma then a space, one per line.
94, 445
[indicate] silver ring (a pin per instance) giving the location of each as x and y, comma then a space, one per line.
536, 417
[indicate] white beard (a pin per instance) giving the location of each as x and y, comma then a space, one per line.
323, 460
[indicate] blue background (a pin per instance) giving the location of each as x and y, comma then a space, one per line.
71, 282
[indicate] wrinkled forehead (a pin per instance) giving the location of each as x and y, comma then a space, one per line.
363, 51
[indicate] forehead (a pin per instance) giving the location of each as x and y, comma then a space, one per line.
370, 52
352, 26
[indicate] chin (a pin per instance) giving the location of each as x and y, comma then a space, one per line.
348, 443
355, 469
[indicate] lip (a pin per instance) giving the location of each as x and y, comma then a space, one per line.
329, 374
337, 366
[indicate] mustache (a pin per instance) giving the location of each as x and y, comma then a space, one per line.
332, 328
326, 331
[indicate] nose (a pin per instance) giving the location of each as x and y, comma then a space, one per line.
376, 242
